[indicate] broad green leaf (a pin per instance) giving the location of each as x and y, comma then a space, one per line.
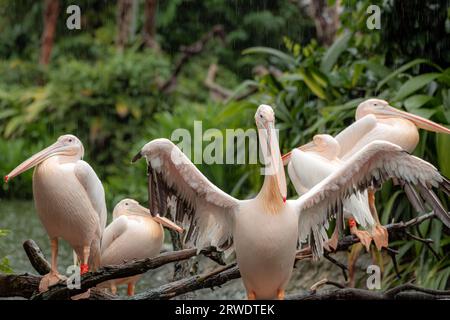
378, 69
358, 69
415, 84
443, 154
404, 68
287, 59
313, 85
332, 54
416, 101
388, 209
425, 113
240, 89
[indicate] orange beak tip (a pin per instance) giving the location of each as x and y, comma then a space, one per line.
6, 179
284, 199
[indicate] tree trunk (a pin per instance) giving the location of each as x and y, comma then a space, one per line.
124, 19
149, 30
326, 20
51, 12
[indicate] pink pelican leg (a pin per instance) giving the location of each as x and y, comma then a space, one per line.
130, 290
363, 236
53, 277
380, 234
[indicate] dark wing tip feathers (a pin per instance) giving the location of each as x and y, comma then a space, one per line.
136, 157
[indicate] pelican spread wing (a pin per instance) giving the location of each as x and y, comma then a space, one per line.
94, 189
306, 170
371, 166
204, 208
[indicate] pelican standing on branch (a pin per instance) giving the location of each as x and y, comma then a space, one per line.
265, 230
134, 233
70, 202
377, 120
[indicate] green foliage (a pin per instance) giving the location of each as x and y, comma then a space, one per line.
4, 262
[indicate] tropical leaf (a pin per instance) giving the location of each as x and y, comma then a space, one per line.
416, 101
414, 84
404, 68
285, 58
332, 54
313, 85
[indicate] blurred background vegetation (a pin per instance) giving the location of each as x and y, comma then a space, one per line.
138, 69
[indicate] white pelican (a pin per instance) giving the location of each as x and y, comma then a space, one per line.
133, 234
70, 202
317, 160
265, 230
377, 120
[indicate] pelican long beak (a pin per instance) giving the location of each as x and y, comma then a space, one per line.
167, 223
142, 211
306, 147
276, 161
35, 160
310, 146
418, 121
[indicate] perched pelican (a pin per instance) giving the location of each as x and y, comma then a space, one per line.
134, 233
70, 202
313, 163
265, 230
377, 120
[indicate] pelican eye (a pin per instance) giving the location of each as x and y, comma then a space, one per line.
70, 140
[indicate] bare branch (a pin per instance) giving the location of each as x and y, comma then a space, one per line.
190, 51
403, 292
36, 257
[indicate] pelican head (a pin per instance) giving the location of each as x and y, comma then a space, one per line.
130, 207
67, 145
382, 110
324, 144
265, 121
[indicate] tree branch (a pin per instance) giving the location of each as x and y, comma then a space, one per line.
36, 257
190, 51
402, 292
26, 285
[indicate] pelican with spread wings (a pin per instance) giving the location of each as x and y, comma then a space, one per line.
266, 230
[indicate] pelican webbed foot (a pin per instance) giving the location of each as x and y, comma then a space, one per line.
364, 237
380, 237
50, 279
